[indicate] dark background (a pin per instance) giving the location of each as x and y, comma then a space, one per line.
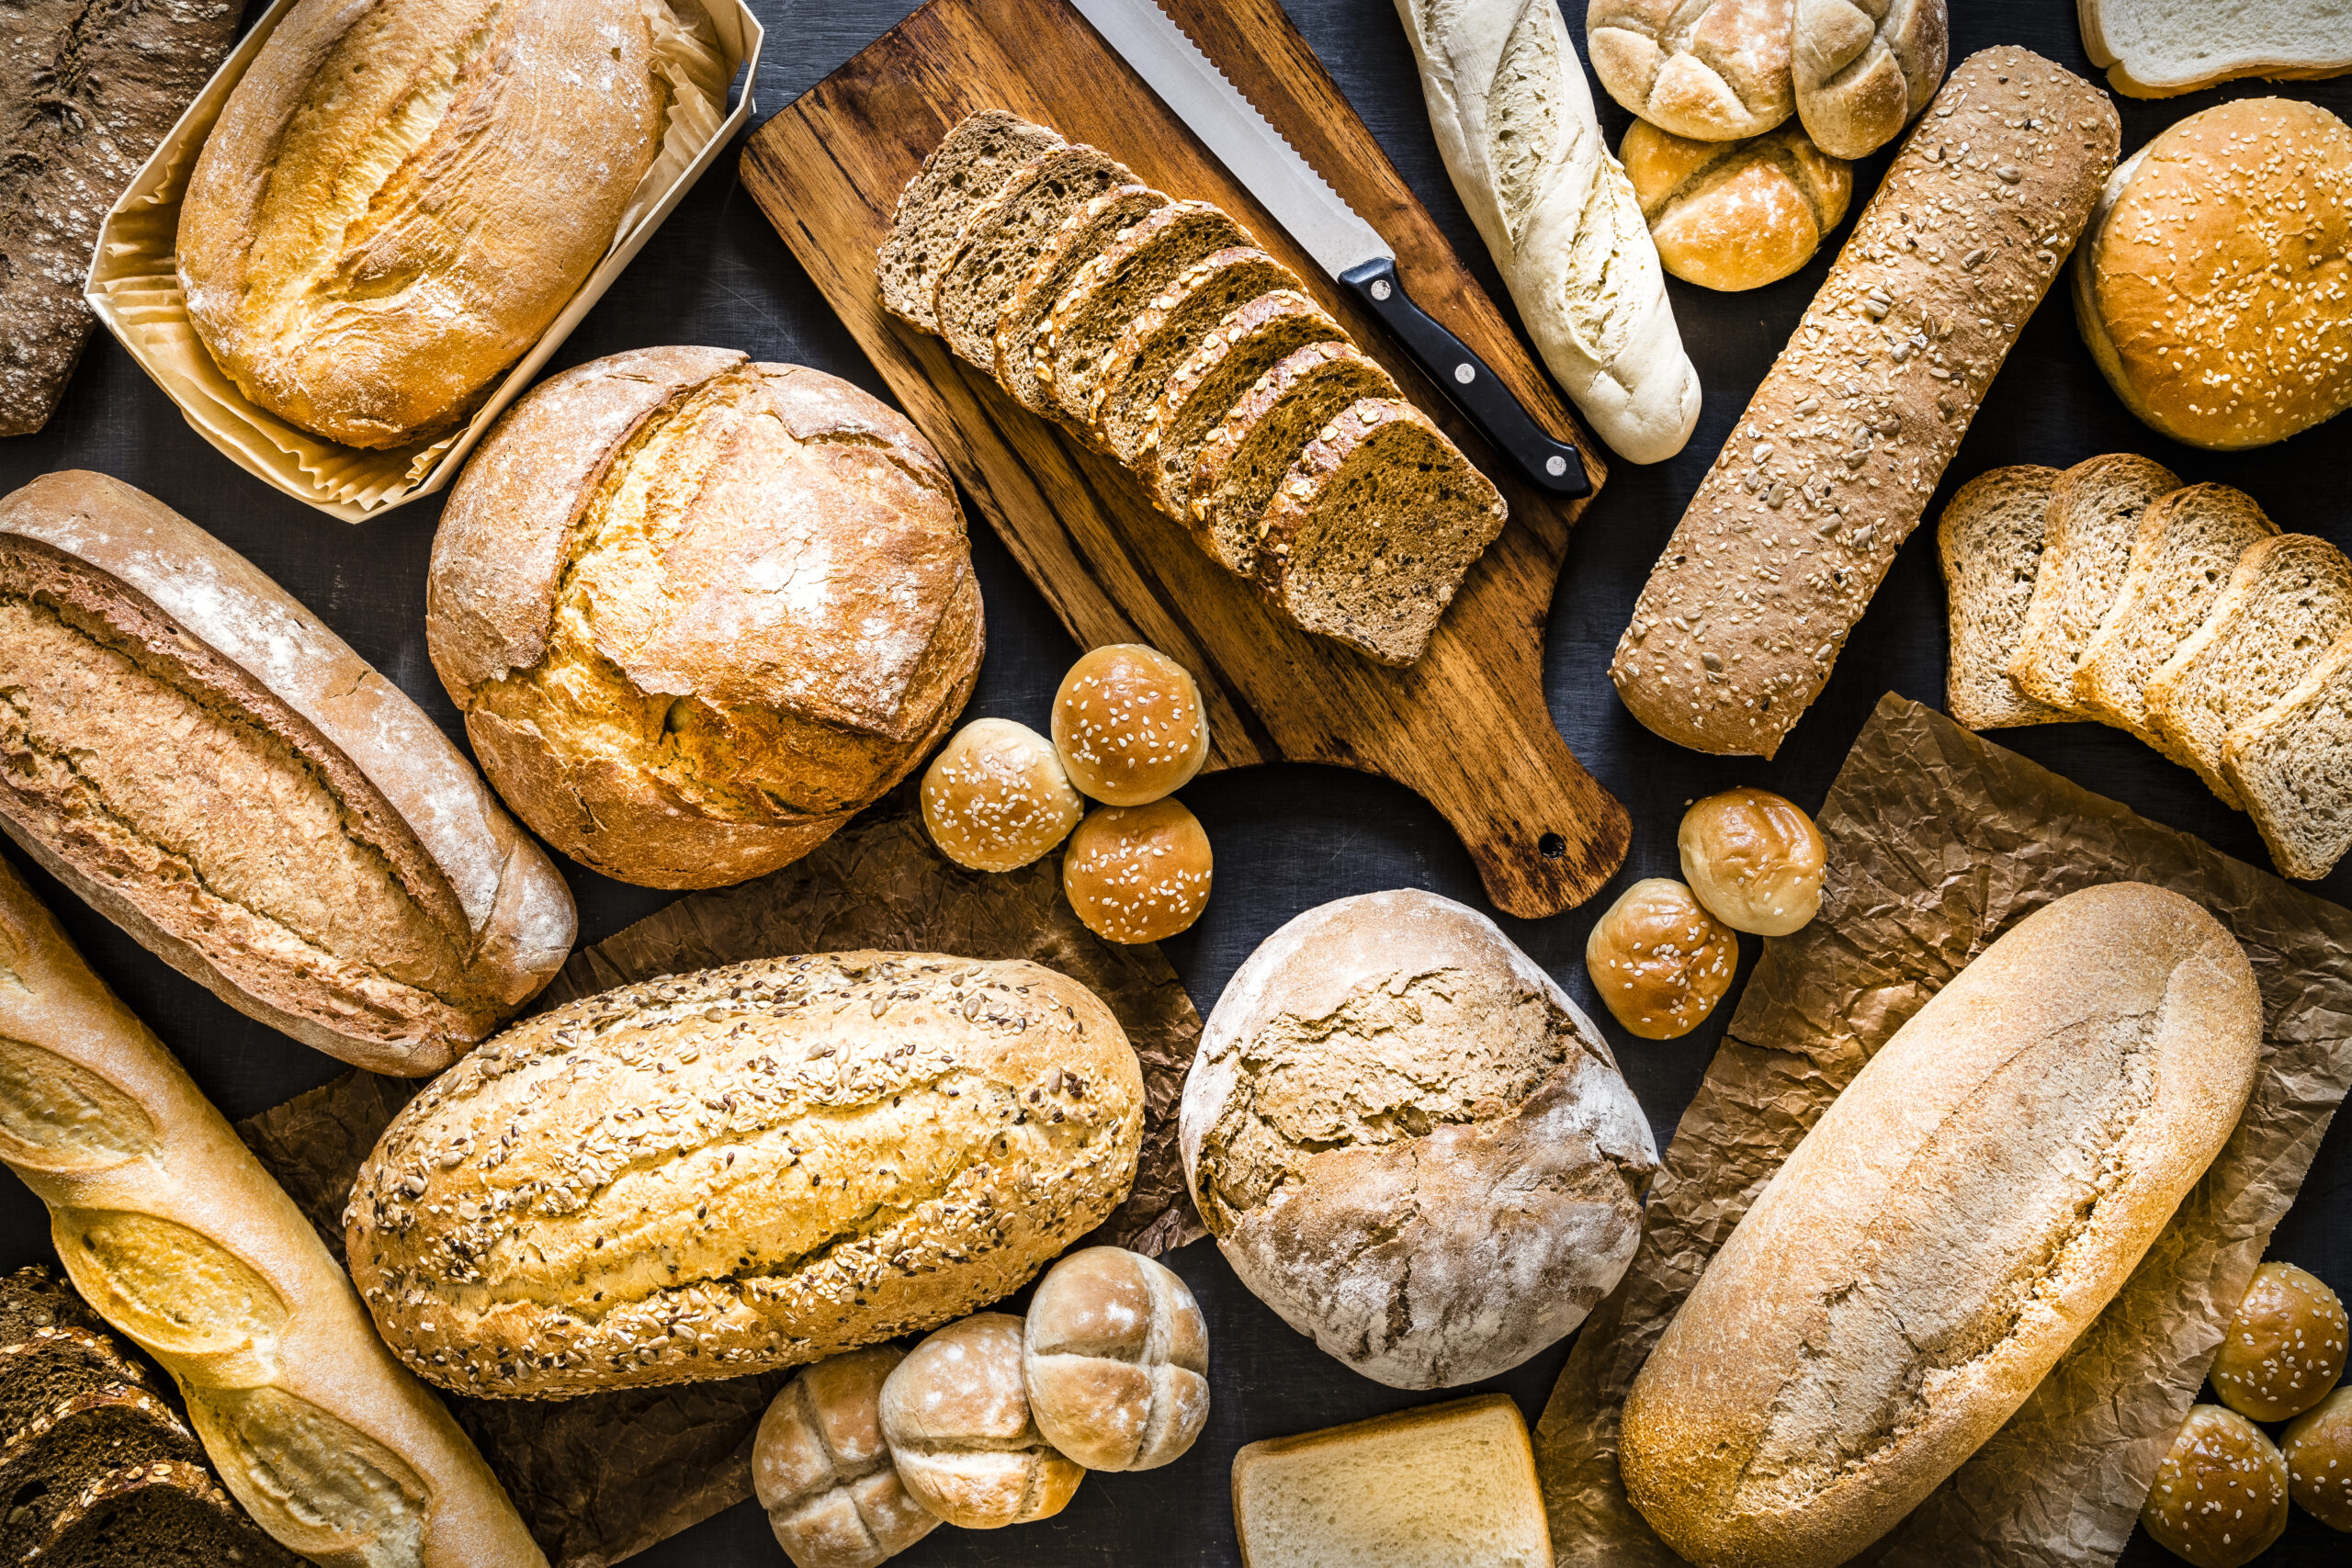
1286, 838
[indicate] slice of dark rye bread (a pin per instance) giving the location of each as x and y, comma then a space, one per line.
979, 152
163, 1514
1370, 533
33, 1298
43, 1467
1262, 435
1111, 290
1135, 369
1004, 237
50, 1366
2094, 515
2292, 764
1221, 367
1990, 541
1084, 234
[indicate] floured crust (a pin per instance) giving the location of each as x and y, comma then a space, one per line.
1713, 70
1863, 68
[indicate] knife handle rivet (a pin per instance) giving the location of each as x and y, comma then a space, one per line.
1555, 466
1465, 373
1380, 289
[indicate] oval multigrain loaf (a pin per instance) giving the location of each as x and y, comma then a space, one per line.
742, 1168
1961, 1213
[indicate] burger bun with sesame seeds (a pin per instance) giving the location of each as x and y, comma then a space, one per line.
2219, 1497
1139, 872
1661, 959
996, 797
1129, 725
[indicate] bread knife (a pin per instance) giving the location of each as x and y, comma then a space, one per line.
1327, 228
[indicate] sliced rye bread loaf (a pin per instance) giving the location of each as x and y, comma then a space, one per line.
163, 1514
1262, 435
46, 1465
1111, 290
1135, 369
2095, 515
2287, 602
1003, 238
979, 152
1084, 234
1202, 390
1990, 542
50, 1366
1371, 530
33, 1298
2292, 764
2189, 544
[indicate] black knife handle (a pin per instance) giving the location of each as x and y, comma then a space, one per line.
1553, 467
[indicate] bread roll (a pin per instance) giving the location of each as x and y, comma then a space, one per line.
1660, 960
2219, 1497
2317, 1447
399, 198
1863, 68
1711, 70
1754, 860
1410, 1144
747, 1168
309, 847
174, 1232
1963, 1210
1139, 872
699, 612
1835, 459
2284, 1348
822, 1473
1735, 215
961, 1433
997, 797
1129, 725
1115, 1358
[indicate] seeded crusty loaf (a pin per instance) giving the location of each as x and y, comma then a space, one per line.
1135, 369
1200, 391
969, 166
1828, 471
1990, 542
2292, 764
2094, 516
1084, 234
1258, 439
1111, 290
1004, 237
742, 1168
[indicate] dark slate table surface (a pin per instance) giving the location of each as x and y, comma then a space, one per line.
1286, 838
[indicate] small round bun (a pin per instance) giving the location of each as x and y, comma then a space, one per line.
996, 798
1754, 860
957, 1420
1116, 1359
2318, 1451
2221, 1494
1659, 960
822, 1473
1137, 873
1734, 215
2285, 1347
1129, 725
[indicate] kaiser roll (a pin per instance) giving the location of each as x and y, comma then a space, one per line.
957, 1419
1734, 215
1115, 1358
697, 611
1754, 860
822, 1473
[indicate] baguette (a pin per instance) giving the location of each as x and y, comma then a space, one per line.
174, 1234
1962, 1211
1832, 466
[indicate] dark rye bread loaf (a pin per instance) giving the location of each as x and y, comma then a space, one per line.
87, 88
979, 154
1084, 234
163, 1514
1261, 437
1136, 370
45, 1465
1224, 364
1003, 238
1111, 290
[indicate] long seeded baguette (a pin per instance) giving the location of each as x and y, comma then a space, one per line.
1830, 469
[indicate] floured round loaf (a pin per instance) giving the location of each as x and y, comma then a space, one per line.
742, 1168
1409, 1142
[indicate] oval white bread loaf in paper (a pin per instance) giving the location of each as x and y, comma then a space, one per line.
1959, 1216
174, 1232
1513, 115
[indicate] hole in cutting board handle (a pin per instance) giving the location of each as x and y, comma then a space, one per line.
1551, 846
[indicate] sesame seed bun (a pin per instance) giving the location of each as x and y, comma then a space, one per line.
1137, 873
996, 797
1129, 725
2212, 286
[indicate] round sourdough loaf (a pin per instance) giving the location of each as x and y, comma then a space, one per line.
1410, 1144
698, 612
742, 1168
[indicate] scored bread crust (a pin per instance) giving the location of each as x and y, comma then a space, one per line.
2094, 515
1988, 590
1714, 71
2135, 70
1734, 215
1863, 68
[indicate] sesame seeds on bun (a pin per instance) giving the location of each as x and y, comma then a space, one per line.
1129, 725
996, 797
1137, 873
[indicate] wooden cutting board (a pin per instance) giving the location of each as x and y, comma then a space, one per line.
1466, 726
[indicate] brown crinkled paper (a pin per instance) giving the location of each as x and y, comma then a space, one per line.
1939, 841
601, 1478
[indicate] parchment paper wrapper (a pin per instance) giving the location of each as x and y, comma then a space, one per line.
1939, 841
602, 1478
134, 286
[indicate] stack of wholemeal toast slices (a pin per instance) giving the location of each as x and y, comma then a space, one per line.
1159, 331
2111, 592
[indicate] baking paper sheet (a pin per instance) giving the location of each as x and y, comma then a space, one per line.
1939, 841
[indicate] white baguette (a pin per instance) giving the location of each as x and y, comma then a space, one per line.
174, 1232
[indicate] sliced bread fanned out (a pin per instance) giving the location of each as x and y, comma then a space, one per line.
1084, 234
44, 1464
1261, 437
1111, 290
1371, 530
1202, 390
2094, 515
2287, 602
1136, 367
1990, 541
163, 1514
977, 155
2292, 764
1003, 238
2189, 544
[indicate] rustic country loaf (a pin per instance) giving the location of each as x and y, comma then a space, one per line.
1990, 542
1162, 335
310, 848
742, 1168
2094, 516
1962, 1211
1084, 234
1202, 391
971, 165
1259, 438
1112, 289
2292, 765
1003, 238
1711, 70
1830, 467
1863, 68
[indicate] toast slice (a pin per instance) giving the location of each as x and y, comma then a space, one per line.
1202, 391
1003, 238
2156, 48
968, 166
2292, 764
1084, 235
1990, 541
1148, 350
2095, 515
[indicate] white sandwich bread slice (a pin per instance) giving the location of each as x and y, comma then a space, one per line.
1990, 541
2292, 764
2157, 49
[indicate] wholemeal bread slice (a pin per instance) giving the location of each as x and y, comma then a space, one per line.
1258, 439
1369, 534
1111, 290
1136, 367
1003, 238
2188, 545
2287, 602
2095, 515
84, 1435
2155, 49
1990, 542
1202, 390
166, 1512
1084, 234
969, 166
2292, 764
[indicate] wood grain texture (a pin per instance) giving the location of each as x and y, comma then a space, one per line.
1466, 726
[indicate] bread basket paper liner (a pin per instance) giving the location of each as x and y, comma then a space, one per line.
1938, 843
134, 283
601, 1478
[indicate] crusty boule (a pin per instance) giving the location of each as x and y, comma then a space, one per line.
2219, 1497
1116, 1357
822, 1473
1659, 960
1129, 725
2285, 1347
1734, 215
1139, 872
1755, 859
996, 797
967, 1446
2317, 1447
